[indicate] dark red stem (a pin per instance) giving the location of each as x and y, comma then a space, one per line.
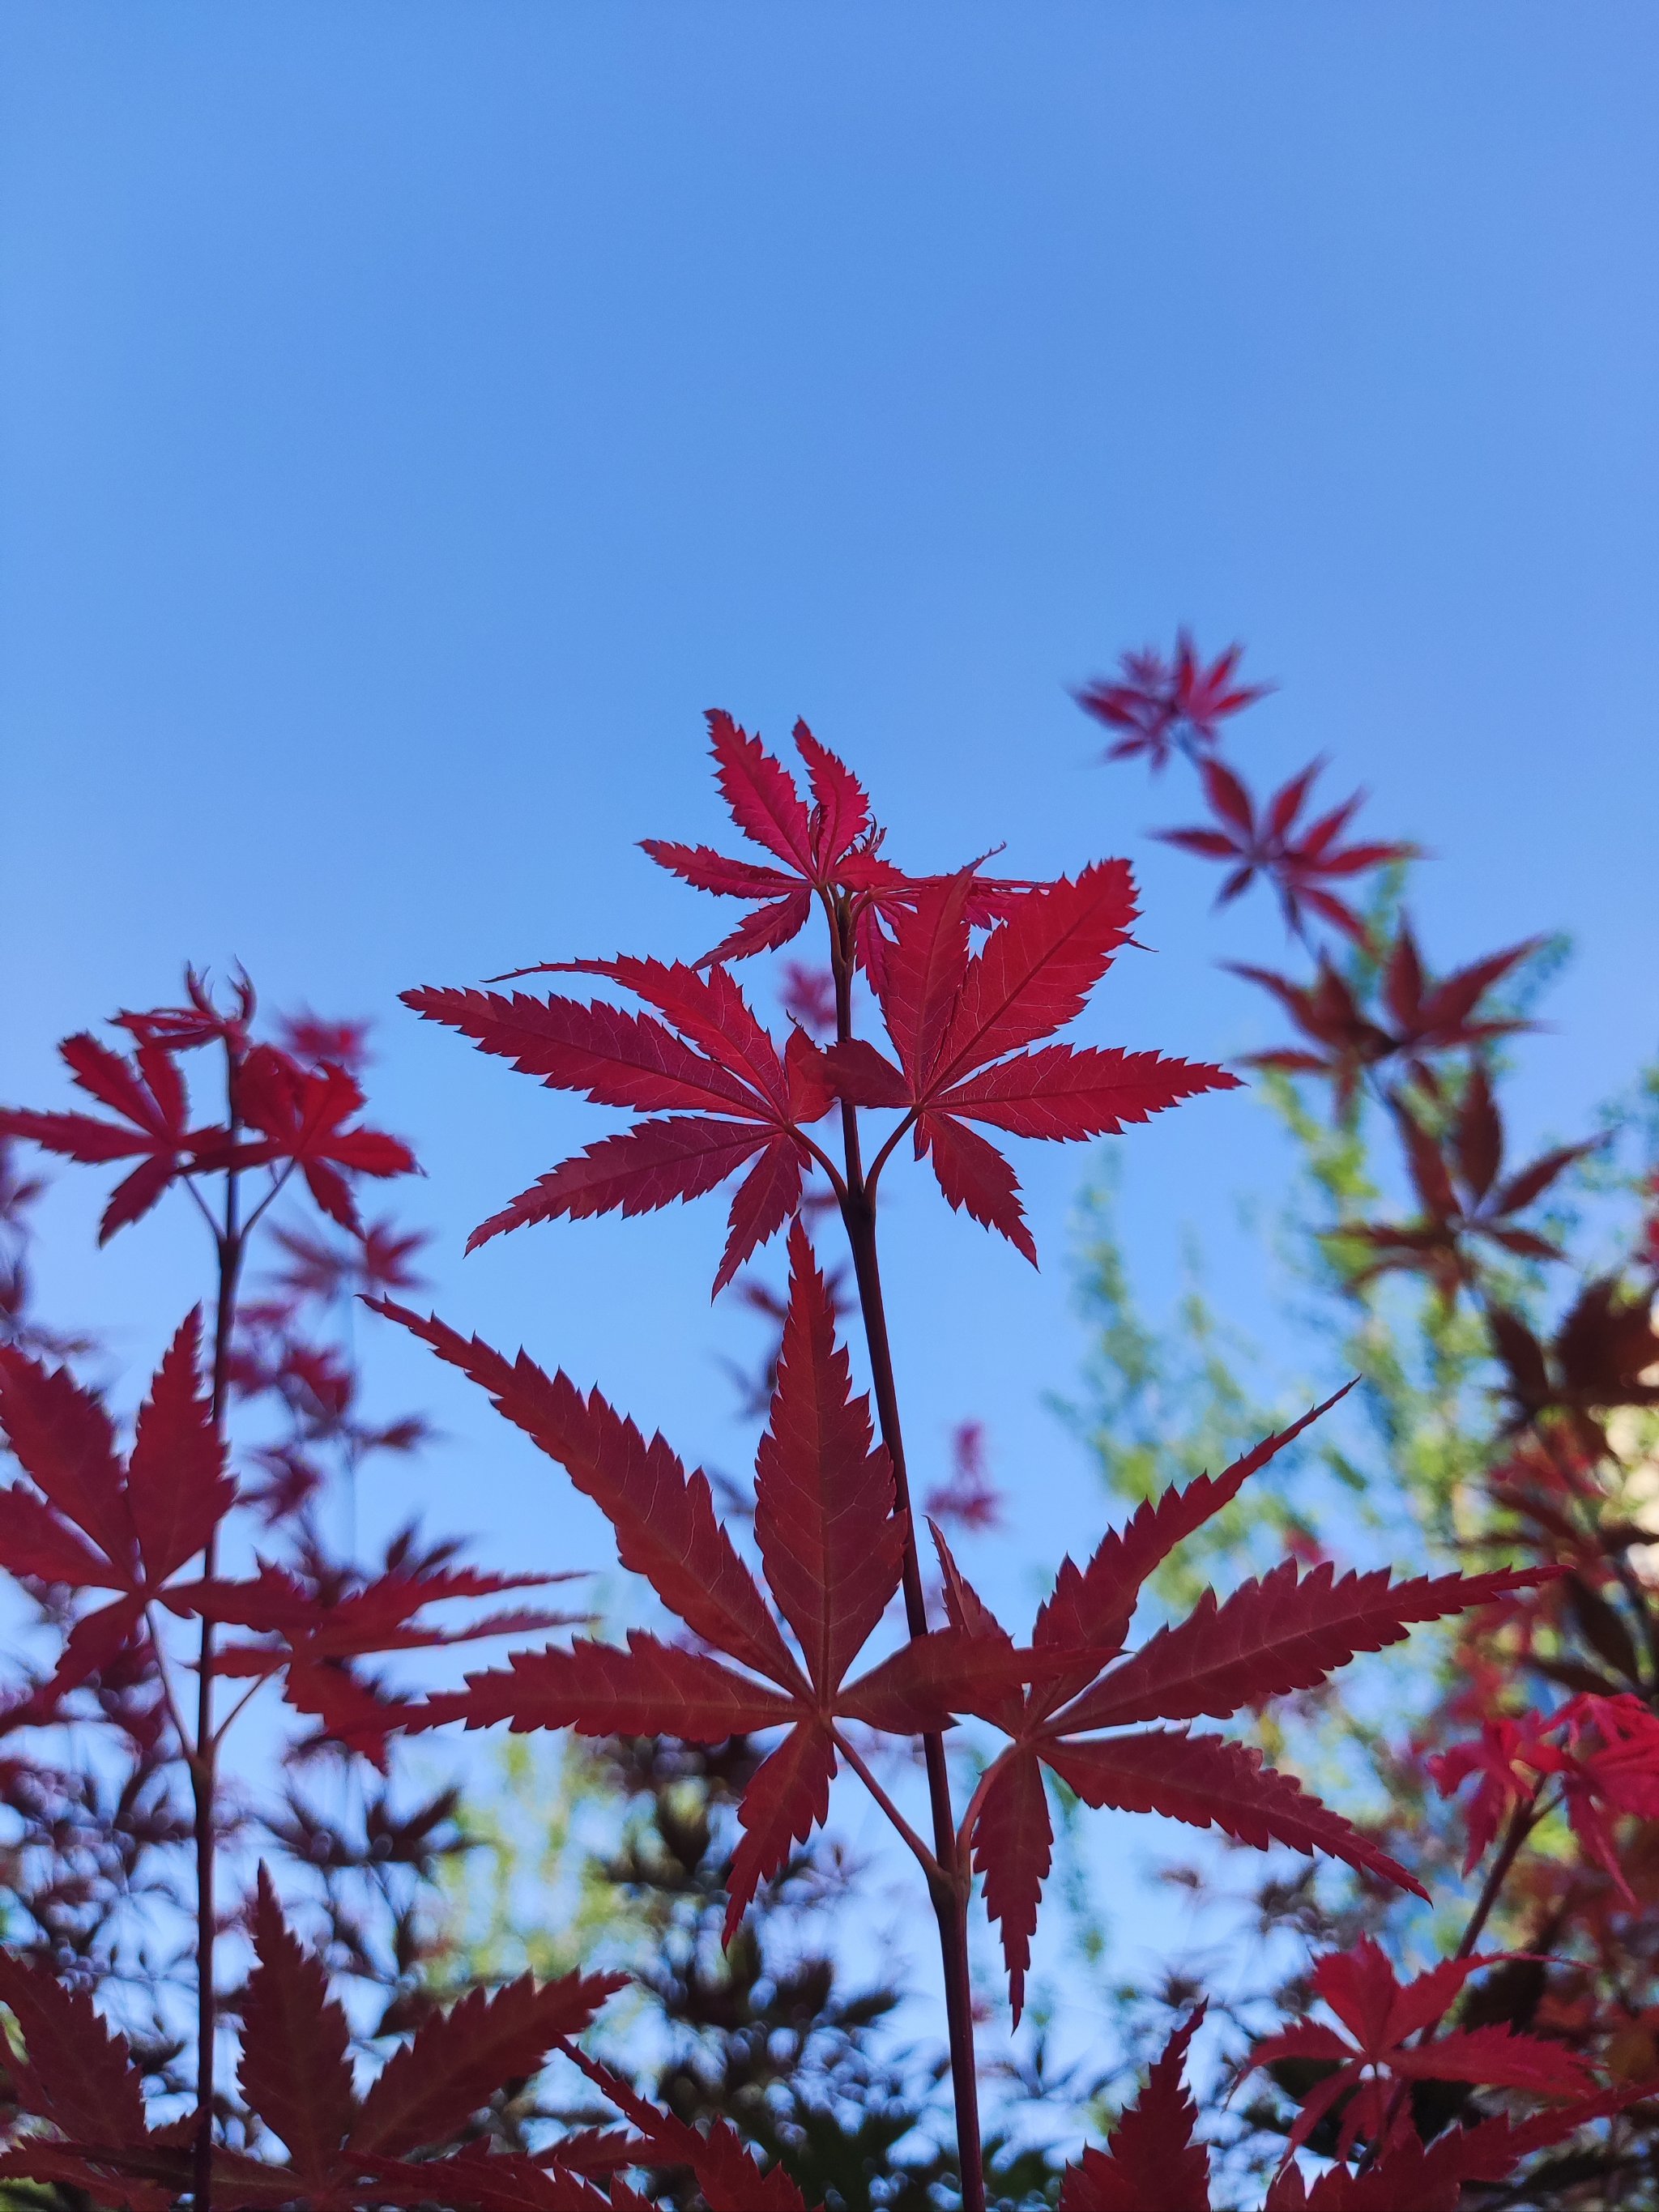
950, 1889
204, 1767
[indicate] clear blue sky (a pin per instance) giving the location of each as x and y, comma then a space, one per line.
414, 416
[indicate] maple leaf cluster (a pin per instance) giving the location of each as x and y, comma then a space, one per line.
963, 1038
830, 1545
961, 1025
1160, 705
810, 1623
1152, 2158
126, 1558
282, 1112
1559, 1482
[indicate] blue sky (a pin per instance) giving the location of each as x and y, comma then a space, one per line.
415, 416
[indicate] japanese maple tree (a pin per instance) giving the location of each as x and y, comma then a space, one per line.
964, 1035
826, 1626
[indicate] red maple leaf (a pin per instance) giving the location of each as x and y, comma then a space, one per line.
377, 1259
828, 852
1600, 1357
727, 1097
1372, 2052
1301, 860
727, 2177
962, 1027
310, 1637
200, 1021
1416, 1017
1285, 1631
1161, 705
148, 1094
1463, 1192
300, 1115
296, 2077
1151, 2163
1600, 1753
812, 850
94, 1522
830, 1546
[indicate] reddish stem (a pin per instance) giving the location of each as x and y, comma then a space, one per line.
232, 1242
949, 1889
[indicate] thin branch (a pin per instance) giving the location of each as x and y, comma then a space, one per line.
924, 1858
247, 1695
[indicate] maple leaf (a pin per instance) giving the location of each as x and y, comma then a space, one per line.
970, 1499
1152, 2165
1600, 1357
961, 1028
729, 1098
311, 1637
1498, 1755
1415, 1019
809, 848
200, 1021
296, 2076
74, 2071
1162, 705
1410, 2177
458, 2058
316, 1042
1602, 1754
377, 1259
1370, 2054
827, 852
300, 1115
1463, 1193
148, 1094
1150, 2157
93, 1523
1299, 859
830, 1546
1287, 1630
